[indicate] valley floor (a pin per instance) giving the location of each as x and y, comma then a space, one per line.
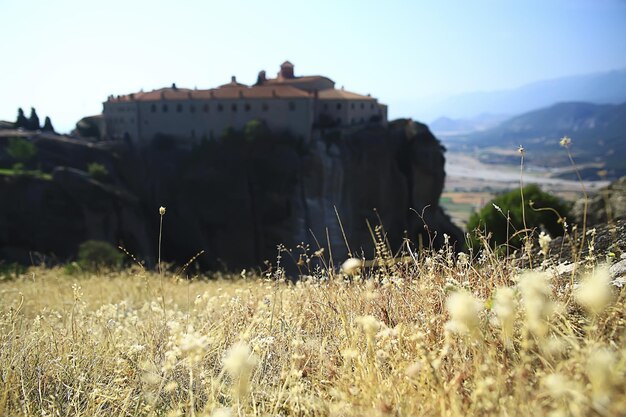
470, 184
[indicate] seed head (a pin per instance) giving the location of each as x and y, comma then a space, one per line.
538, 306
504, 305
369, 324
594, 292
464, 311
544, 243
161, 210
239, 360
565, 141
601, 373
351, 266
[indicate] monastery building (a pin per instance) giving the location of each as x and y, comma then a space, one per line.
300, 105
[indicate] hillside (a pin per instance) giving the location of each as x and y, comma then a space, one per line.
598, 135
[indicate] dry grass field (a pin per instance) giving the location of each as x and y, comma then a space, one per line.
437, 335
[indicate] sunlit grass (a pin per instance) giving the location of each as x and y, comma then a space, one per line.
437, 335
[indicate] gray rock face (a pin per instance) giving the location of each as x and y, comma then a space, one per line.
618, 269
235, 199
608, 204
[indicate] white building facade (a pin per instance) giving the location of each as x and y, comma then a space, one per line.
298, 105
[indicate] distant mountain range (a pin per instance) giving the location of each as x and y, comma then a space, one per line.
447, 126
598, 133
601, 88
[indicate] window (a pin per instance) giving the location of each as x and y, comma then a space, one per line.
179, 108
164, 108
338, 106
205, 108
372, 106
265, 107
362, 106
352, 106
192, 108
153, 108
325, 106
246, 107
292, 106
220, 107
234, 108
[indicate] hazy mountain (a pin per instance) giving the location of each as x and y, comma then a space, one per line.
598, 135
447, 126
600, 88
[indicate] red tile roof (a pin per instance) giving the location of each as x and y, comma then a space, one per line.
333, 94
228, 92
305, 79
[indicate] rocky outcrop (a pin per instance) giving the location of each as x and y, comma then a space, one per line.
236, 198
608, 203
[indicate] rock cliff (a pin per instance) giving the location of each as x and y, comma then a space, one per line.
236, 198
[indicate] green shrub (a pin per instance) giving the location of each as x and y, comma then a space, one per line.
95, 255
21, 149
490, 220
97, 171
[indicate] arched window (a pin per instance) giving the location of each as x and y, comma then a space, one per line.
338, 106
220, 107
234, 108
179, 108
164, 108
246, 107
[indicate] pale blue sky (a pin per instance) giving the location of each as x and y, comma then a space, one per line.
66, 56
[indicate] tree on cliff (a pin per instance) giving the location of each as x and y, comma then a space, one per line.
47, 125
33, 120
21, 121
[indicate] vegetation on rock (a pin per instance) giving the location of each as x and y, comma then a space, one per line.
505, 216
